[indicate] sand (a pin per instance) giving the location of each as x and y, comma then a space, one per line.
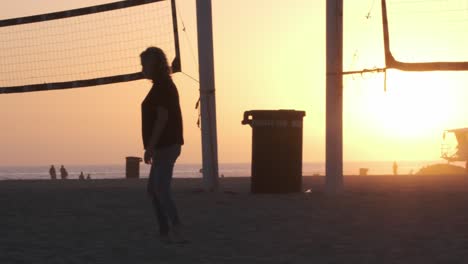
381, 219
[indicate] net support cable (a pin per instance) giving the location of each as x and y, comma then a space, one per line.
176, 64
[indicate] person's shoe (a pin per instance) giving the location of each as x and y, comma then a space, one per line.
177, 235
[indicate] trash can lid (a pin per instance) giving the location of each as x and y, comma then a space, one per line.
274, 114
134, 158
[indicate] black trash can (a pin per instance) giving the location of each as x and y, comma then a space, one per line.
132, 167
276, 150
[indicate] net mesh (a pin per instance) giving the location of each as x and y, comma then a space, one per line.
429, 30
84, 47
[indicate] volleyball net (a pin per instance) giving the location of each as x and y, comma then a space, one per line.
86, 46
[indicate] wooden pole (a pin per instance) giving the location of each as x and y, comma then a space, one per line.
207, 95
334, 97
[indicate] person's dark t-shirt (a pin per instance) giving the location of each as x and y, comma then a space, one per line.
162, 94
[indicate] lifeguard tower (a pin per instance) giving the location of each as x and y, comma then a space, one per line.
460, 153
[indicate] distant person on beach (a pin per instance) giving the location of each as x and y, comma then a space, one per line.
81, 177
162, 139
395, 168
53, 173
88, 177
63, 173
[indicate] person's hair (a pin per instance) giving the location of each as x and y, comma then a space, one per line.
157, 54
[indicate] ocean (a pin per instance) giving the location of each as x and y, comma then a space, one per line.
193, 170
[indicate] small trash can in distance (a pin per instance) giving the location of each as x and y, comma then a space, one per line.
276, 150
132, 167
363, 171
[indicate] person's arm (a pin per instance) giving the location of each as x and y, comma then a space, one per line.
158, 127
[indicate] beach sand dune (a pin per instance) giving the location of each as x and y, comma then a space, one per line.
384, 219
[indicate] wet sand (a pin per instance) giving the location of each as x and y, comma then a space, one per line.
377, 219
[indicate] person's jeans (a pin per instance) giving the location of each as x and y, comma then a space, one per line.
159, 186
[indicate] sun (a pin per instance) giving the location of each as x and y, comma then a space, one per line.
414, 104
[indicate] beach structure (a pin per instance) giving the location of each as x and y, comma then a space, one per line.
460, 152
451, 154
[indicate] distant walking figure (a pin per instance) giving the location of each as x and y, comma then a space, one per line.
53, 173
81, 177
162, 139
395, 168
63, 173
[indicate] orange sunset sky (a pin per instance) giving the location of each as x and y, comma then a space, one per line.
268, 55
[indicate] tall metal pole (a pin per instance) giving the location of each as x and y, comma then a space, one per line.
207, 95
334, 97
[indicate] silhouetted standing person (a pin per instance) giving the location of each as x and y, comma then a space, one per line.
63, 173
52, 172
395, 168
162, 139
81, 177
